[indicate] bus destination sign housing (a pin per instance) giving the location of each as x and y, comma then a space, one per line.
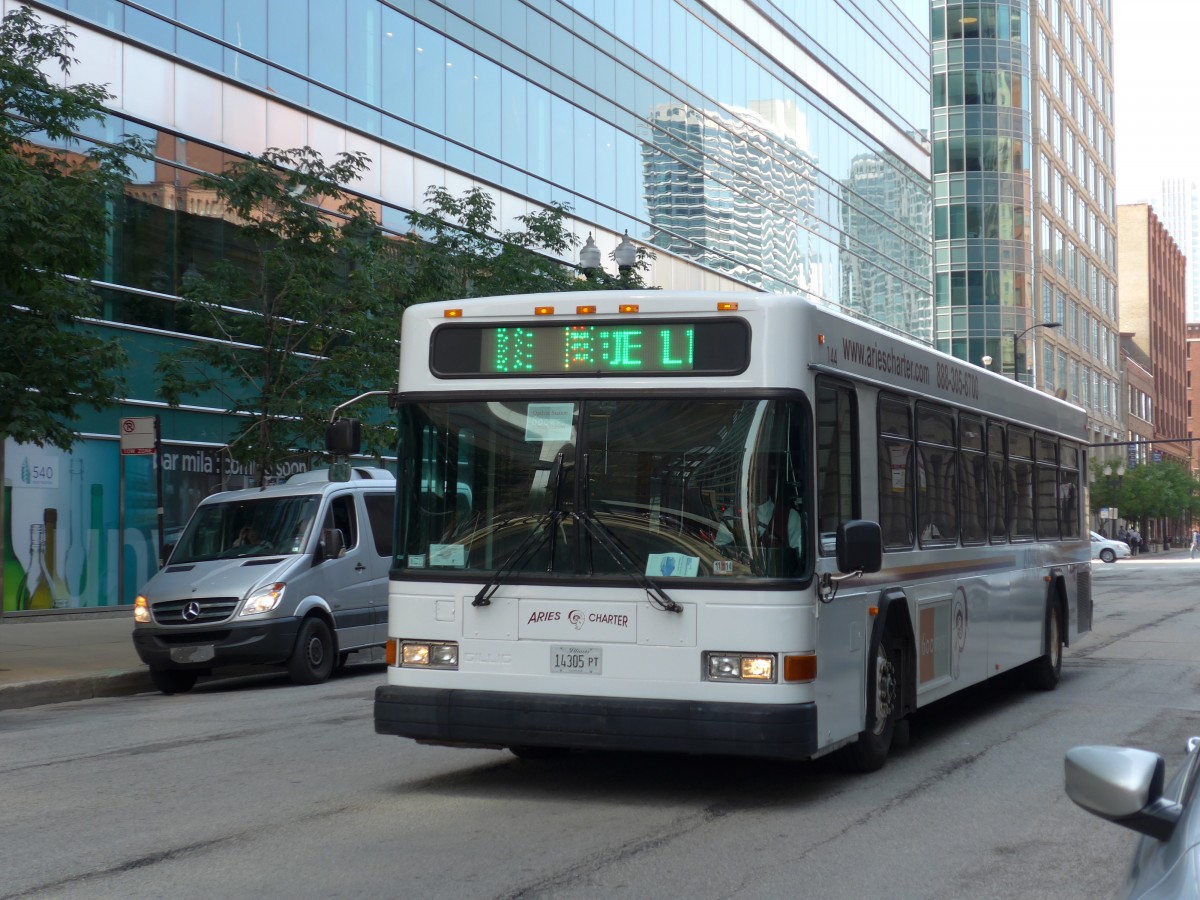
581, 348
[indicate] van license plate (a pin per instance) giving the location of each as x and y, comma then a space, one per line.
197, 653
575, 660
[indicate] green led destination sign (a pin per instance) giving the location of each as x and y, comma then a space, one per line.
620, 348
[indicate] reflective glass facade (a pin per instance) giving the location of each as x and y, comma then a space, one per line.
1024, 214
981, 158
672, 120
756, 144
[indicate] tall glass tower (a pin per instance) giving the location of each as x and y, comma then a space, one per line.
981, 179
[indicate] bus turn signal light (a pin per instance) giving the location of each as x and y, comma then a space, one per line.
801, 667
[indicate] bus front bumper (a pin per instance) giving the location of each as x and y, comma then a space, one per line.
497, 719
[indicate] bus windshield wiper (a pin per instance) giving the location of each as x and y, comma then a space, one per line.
544, 531
601, 534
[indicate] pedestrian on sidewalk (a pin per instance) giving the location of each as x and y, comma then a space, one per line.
1194, 548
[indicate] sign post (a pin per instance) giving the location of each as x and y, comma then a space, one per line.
139, 437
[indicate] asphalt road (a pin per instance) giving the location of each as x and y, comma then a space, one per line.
256, 788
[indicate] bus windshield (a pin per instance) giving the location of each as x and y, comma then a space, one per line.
684, 487
267, 526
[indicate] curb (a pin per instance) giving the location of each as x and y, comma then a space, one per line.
38, 693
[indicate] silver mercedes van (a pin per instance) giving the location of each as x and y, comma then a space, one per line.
294, 574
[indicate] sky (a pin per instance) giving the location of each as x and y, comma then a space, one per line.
1156, 49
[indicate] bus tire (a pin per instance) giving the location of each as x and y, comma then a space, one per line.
870, 751
312, 659
1043, 673
173, 681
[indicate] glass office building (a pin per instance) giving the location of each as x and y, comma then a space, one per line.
981, 157
775, 146
1024, 201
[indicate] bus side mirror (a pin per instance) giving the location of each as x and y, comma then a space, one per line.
343, 437
859, 546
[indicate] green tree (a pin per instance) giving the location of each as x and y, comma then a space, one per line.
304, 320
53, 221
462, 252
1152, 490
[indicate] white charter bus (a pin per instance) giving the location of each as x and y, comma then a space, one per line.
715, 524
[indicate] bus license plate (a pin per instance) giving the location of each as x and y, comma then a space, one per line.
575, 660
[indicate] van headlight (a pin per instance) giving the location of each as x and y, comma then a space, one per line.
263, 601
141, 609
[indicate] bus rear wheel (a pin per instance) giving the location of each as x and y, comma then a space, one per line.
1043, 673
870, 751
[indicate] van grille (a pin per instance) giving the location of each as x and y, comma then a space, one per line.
212, 609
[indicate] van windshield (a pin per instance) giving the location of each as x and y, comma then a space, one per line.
264, 526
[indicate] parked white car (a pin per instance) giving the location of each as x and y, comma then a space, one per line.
1108, 550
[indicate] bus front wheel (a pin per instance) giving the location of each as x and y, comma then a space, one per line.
870, 751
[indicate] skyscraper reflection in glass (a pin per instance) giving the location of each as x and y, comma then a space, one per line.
732, 137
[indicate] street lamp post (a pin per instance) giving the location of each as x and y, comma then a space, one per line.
1020, 334
626, 257
1114, 475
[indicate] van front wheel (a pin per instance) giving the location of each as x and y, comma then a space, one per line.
173, 681
312, 660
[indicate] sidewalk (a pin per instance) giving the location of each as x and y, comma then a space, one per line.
52, 659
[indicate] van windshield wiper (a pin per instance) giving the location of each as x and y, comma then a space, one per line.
601, 534
544, 531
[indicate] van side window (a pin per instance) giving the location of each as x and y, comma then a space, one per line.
341, 516
381, 512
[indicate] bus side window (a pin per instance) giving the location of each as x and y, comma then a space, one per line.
895, 473
837, 460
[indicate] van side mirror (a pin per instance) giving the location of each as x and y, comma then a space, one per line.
332, 544
859, 546
343, 437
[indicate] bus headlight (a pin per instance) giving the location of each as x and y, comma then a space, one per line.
264, 601
141, 609
429, 654
739, 667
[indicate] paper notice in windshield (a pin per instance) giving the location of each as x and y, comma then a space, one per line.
448, 555
672, 565
549, 421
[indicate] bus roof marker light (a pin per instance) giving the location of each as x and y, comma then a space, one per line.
452, 313
627, 308
727, 306
543, 310
585, 310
